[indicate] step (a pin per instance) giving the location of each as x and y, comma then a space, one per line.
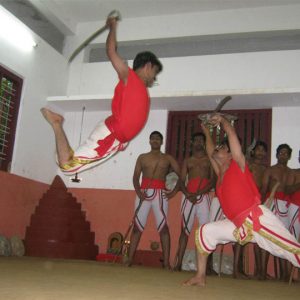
49, 233
60, 211
58, 249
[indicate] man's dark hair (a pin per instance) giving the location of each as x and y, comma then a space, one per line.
145, 57
284, 146
261, 143
194, 135
225, 142
156, 133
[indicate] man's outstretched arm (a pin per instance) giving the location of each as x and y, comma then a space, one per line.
234, 143
111, 49
210, 147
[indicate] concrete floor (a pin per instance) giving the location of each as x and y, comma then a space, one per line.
28, 278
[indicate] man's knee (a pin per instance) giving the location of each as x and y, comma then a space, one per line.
207, 229
136, 230
185, 231
205, 240
164, 230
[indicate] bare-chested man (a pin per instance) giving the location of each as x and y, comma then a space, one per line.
196, 200
151, 193
293, 190
257, 166
257, 163
276, 175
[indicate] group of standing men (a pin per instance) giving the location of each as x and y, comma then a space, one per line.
246, 220
154, 167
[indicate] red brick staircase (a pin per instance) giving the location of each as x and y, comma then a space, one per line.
58, 227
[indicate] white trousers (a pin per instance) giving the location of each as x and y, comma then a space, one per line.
272, 236
189, 211
157, 200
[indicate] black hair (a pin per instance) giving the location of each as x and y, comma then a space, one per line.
261, 143
225, 142
145, 57
194, 135
284, 146
156, 133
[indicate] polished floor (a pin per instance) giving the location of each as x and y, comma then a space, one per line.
27, 278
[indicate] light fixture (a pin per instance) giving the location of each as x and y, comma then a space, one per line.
14, 31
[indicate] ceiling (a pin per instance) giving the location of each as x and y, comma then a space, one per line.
53, 20
76, 11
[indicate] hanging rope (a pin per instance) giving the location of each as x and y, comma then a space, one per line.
76, 179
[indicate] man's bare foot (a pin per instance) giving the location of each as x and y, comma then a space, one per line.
176, 268
167, 267
239, 275
196, 280
211, 271
127, 262
52, 117
261, 277
286, 277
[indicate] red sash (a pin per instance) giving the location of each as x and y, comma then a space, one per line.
148, 183
193, 184
295, 198
104, 145
278, 195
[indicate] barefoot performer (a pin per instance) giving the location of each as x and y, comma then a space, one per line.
277, 175
257, 167
196, 200
247, 220
130, 108
154, 166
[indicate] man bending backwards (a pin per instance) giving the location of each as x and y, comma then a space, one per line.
130, 108
247, 220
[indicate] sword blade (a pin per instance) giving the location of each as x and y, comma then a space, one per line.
222, 103
86, 42
113, 14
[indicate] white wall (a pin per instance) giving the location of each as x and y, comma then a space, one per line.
116, 173
286, 130
44, 73
255, 72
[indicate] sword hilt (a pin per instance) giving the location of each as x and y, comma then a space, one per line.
115, 14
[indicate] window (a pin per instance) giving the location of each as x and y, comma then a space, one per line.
10, 93
250, 125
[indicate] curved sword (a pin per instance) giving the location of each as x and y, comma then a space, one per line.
113, 14
205, 117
